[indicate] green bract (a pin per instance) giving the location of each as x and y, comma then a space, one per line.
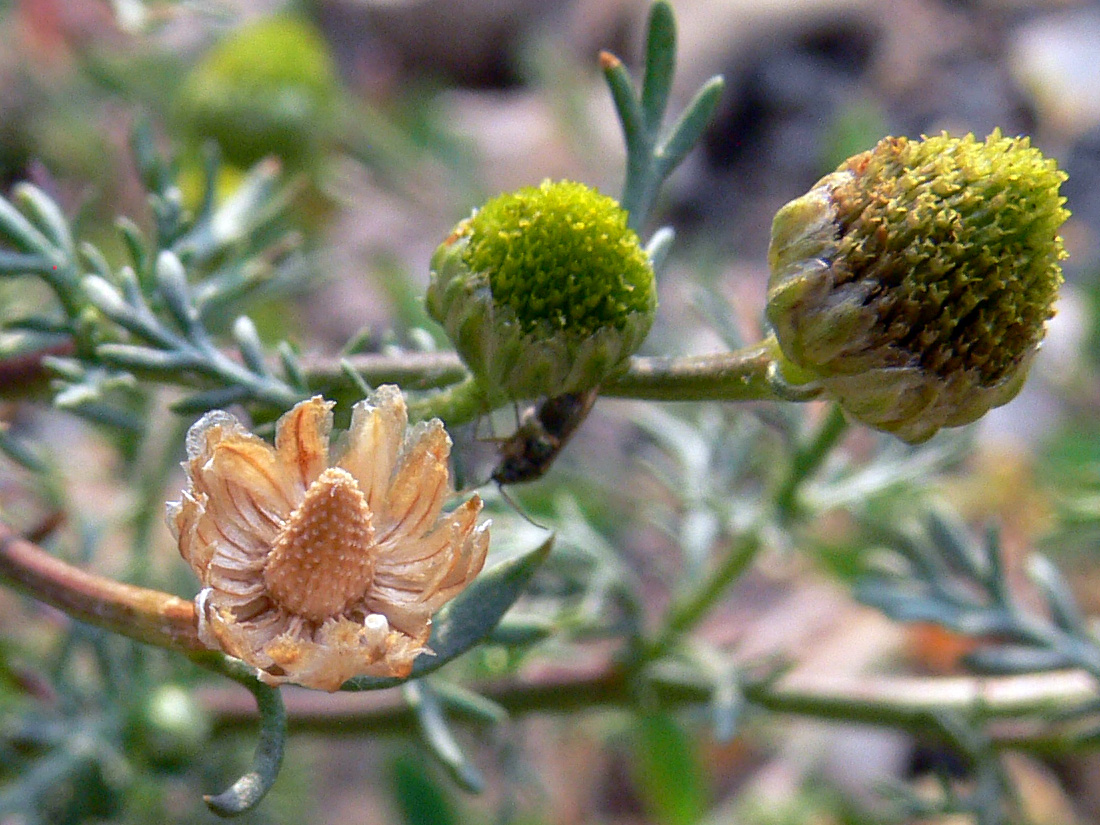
915, 282
544, 291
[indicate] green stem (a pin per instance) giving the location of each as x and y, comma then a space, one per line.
693, 606
741, 375
899, 702
807, 459
246, 793
458, 404
410, 370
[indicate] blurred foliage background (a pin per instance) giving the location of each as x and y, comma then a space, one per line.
395, 118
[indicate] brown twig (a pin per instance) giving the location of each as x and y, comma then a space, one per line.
149, 616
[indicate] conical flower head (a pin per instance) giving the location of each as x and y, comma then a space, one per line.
915, 282
544, 291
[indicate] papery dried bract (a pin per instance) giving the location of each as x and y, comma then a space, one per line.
315, 573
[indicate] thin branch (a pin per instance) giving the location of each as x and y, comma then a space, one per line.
148, 616
900, 702
741, 375
247, 792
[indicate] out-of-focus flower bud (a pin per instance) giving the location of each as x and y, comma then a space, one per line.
170, 727
269, 88
544, 291
914, 283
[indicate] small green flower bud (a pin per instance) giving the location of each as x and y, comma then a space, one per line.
269, 88
914, 283
169, 727
544, 291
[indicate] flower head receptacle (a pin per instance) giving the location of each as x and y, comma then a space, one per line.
315, 572
544, 291
914, 283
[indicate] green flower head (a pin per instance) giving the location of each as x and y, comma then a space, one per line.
914, 283
544, 291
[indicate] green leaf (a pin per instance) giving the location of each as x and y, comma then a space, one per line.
1017, 659
437, 735
246, 793
419, 797
1059, 597
214, 399
47, 217
631, 117
471, 617
660, 64
20, 232
668, 772
689, 128
23, 263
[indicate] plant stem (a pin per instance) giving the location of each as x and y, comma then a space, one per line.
411, 370
148, 616
455, 405
901, 702
246, 793
687, 611
741, 375
807, 459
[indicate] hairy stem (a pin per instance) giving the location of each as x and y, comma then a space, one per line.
411, 370
458, 404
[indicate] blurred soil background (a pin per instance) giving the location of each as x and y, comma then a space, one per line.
403, 115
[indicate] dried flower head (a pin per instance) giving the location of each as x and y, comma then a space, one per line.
316, 573
544, 291
915, 282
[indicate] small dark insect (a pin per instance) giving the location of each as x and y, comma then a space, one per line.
542, 434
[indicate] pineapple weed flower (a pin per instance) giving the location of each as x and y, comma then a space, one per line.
315, 572
543, 291
914, 283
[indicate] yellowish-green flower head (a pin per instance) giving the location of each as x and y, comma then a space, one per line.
543, 291
915, 282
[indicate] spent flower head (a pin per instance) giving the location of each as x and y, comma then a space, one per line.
544, 291
315, 572
915, 282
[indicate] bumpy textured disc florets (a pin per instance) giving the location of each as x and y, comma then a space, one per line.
915, 282
544, 291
